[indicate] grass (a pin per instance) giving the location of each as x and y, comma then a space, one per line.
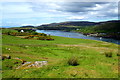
90, 55
7, 30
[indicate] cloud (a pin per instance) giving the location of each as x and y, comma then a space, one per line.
38, 12
60, 0
77, 17
75, 7
16, 7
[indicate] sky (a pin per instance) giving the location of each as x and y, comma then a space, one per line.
37, 12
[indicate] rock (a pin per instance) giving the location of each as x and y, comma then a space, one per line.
8, 49
0, 57
36, 64
6, 57
40, 63
26, 46
23, 65
23, 61
26, 63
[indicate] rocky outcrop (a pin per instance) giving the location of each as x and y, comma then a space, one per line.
24, 64
36, 64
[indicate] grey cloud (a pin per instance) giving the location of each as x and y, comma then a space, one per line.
37, 6
42, 6
82, 8
109, 11
77, 8
74, 7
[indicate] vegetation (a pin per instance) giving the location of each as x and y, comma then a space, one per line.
27, 35
63, 56
107, 29
73, 61
8, 31
108, 54
102, 28
118, 54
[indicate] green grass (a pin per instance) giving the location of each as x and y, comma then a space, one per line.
7, 30
90, 53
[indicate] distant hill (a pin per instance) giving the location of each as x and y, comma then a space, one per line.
109, 26
110, 29
72, 23
28, 26
105, 26
75, 24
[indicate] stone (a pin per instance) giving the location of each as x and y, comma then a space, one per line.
36, 64
26, 63
6, 57
23, 61
23, 65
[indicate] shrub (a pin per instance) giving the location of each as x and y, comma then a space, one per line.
31, 36
73, 61
19, 34
13, 33
108, 54
118, 54
49, 38
26, 37
8, 33
34, 33
41, 38
45, 35
42, 34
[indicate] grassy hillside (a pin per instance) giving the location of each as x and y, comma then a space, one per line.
109, 30
106, 27
90, 55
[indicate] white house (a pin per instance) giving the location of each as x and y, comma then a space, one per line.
22, 31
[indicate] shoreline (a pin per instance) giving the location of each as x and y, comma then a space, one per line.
110, 40
92, 34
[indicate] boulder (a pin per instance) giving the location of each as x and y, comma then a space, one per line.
40, 63
36, 64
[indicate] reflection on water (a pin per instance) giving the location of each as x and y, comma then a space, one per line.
76, 35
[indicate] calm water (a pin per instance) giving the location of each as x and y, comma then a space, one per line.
76, 35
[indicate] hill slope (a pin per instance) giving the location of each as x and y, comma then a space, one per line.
92, 57
77, 23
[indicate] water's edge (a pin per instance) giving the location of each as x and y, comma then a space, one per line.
76, 35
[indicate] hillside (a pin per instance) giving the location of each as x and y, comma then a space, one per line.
106, 26
72, 23
106, 29
65, 57
76, 23
109, 29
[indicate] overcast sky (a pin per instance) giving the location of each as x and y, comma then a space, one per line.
37, 12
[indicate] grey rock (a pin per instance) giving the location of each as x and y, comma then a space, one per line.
33, 64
